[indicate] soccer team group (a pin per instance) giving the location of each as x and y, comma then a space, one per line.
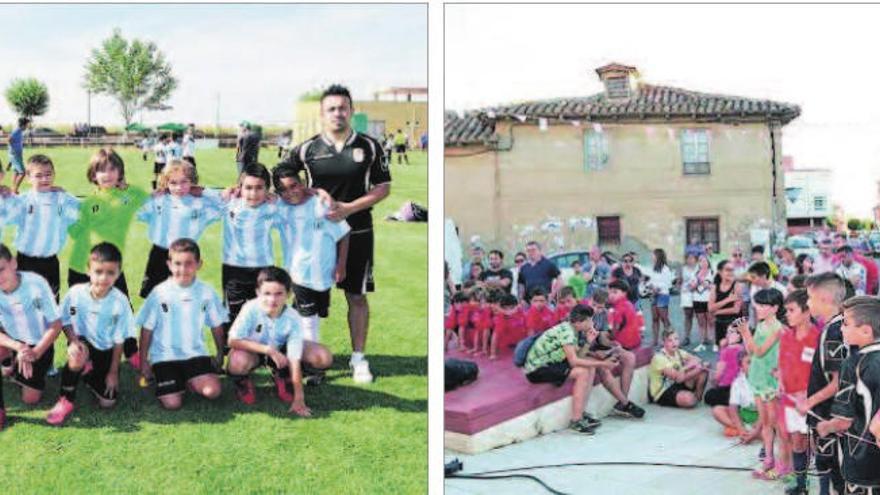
326, 236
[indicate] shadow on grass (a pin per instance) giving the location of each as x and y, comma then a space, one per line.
385, 365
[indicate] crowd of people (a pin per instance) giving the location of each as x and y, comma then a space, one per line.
794, 340
325, 225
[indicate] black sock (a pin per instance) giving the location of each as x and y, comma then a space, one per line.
799, 459
129, 347
69, 378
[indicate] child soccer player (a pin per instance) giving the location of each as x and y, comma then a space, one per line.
30, 324
797, 346
465, 320
764, 348
856, 406
176, 215
97, 318
451, 323
247, 241
539, 316
481, 323
42, 217
315, 249
508, 325
624, 323
826, 292
160, 157
268, 332
171, 322
105, 216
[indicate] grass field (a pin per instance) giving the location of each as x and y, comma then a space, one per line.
362, 439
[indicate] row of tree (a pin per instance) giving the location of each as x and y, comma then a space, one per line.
132, 72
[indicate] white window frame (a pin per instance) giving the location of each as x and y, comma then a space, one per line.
695, 152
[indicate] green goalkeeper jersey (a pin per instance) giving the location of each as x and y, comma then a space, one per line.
104, 216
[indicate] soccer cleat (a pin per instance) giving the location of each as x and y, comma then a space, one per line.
360, 372
59, 413
284, 394
245, 391
135, 361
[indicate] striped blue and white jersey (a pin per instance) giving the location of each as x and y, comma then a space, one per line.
104, 322
308, 241
189, 145
42, 219
173, 151
27, 312
256, 325
247, 240
176, 315
171, 217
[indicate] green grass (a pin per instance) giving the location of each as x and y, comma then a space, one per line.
362, 439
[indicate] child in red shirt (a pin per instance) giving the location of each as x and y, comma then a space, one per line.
624, 322
465, 320
451, 321
539, 316
567, 301
508, 326
481, 324
797, 345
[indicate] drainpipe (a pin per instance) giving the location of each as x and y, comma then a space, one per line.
771, 127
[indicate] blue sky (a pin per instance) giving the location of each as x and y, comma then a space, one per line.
258, 58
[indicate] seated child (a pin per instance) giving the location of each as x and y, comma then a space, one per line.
567, 301
856, 405
726, 371
539, 316
451, 322
676, 378
30, 324
96, 318
268, 332
553, 359
598, 301
743, 411
171, 320
509, 325
624, 321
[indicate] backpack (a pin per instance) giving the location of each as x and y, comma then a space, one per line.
459, 372
522, 350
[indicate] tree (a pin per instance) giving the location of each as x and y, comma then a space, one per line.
312, 95
28, 97
854, 224
134, 73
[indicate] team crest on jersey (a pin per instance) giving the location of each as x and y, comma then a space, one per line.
164, 307
259, 328
38, 305
357, 155
30, 209
205, 307
195, 214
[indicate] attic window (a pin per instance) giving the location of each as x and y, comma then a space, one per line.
617, 87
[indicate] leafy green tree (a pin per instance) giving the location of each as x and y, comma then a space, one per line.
311, 95
854, 224
133, 72
28, 97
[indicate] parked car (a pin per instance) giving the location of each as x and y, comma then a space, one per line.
95, 130
44, 132
802, 245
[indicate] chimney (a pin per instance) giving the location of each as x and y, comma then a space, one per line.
621, 81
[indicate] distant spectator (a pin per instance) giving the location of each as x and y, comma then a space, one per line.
16, 153
496, 276
539, 272
629, 273
826, 261
189, 144
850, 270
248, 145
695, 248
597, 271
423, 141
400, 145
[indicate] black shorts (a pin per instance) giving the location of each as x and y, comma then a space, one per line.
40, 367
75, 277
826, 456
191, 160
359, 265
701, 307
96, 378
400, 148
157, 270
46, 267
157, 167
555, 373
172, 376
310, 302
718, 396
667, 398
239, 287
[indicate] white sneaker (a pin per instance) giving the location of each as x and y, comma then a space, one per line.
360, 372
714, 348
700, 348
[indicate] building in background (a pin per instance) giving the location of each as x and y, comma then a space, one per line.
808, 197
389, 110
637, 166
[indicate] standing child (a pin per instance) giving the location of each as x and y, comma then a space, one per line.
105, 216
481, 322
577, 281
797, 346
856, 409
659, 282
160, 156
175, 215
539, 316
171, 320
30, 322
688, 273
315, 249
268, 332
247, 241
701, 289
451, 322
509, 325
764, 348
465, 319
42, 217
97, 318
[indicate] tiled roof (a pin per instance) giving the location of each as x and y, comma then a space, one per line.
650, 102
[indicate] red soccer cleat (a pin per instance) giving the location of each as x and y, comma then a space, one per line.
281, 388
135, 361
245, 391
59, 413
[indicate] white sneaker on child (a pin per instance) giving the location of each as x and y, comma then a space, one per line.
360, 371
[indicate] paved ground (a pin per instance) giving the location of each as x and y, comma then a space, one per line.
664, 435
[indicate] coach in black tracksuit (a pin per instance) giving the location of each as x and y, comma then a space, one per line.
353, 169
